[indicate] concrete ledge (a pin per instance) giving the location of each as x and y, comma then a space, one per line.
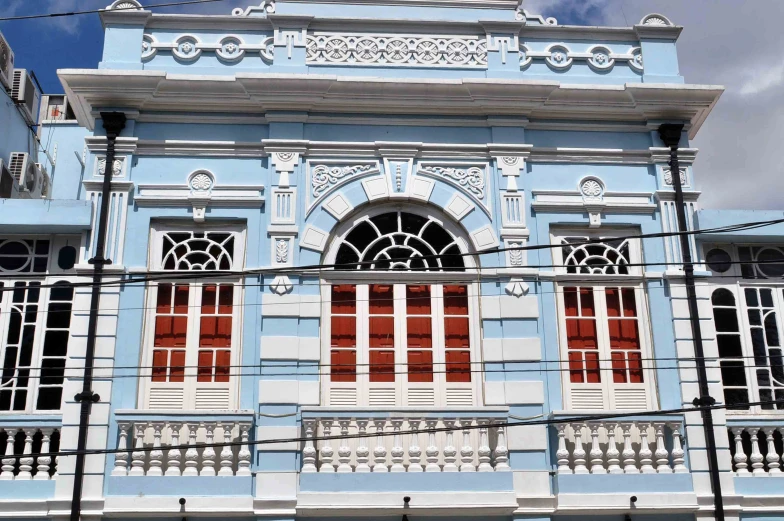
176, 486
44, 216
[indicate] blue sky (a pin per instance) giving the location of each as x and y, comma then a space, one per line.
735, 43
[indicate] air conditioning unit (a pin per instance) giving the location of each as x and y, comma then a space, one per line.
46, 182
26, 95
9, 188
6, 63
30, 177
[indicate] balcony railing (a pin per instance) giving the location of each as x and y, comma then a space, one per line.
623, 446
22, 457
404, 440
757, 451
143, 438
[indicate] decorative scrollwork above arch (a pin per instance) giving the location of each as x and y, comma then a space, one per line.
197, 251
606, 256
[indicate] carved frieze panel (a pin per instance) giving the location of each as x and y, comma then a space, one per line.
471, 178
324, 176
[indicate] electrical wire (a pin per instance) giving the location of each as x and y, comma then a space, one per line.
74, 13
505, 424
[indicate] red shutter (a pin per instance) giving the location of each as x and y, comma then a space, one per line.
456, 334
343, 357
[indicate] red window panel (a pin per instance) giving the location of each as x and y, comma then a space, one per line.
170, 335
420, 365
343, 323
215, 326
419, 334
382, 365
581, 337
457, 334
623, 328
381, 330
418, 300
381, 299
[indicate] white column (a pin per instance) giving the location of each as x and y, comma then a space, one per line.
191, 455
646, 454
756, 456
8, 461
309, 452
344, 451
26, 461
466, 451
156, 454
44, 461
628, 455
121, 458
501, 453
597, 455
562, 454
174, 457
363, 451
483, 451
326, 449
661, 454
380, 452
138, 456
208, 454
677, 450
397, 452
579, 451
450, 452
226, 453
414, 451
774, 467
613, 455
432, 451
244, 455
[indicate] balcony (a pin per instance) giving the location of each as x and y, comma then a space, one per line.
22, 448
756, 449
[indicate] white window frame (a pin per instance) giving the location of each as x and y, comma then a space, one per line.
442, 390
189, 386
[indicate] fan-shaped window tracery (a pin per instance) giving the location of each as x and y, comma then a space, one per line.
399, 241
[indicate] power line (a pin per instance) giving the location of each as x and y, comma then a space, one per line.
506, 424
74, 13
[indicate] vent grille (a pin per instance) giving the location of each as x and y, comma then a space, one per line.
16, 84
343, 397
5, 57
381, 397
587, 399
166, 398
631, 399
421, 397
459, 397
214, 399
17, 165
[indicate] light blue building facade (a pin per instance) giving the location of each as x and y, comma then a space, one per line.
350, 239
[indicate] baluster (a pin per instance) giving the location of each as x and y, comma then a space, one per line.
138, 456
677, 450
562, 454
192, 454
579, 451
363, 451
121, 458
646, 455
613, 455
661, 454
740, 458
431, 452
56, 462
450, 452
243, 456
414, 451
309, 452
174, 457
344, 451
483, 451
466, 451
501, 453
756, 456
774, 467
44, 461
628, 455
8, 460
596, 453
226, 454
208, 454
26, 461
156, 454
380, 452
397, 452
326, 448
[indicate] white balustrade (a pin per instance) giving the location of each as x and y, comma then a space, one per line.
620, 447
755, 450
145, 444
405, 444
26, 453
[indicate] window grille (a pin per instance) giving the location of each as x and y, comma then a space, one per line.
24, 255
609, 256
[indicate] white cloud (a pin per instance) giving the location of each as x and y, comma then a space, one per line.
762, 79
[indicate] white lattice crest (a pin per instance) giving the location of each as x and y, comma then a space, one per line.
197, 250
596, 255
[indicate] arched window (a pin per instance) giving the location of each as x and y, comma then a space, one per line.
407, 339
728, 338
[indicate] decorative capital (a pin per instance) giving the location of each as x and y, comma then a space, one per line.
281, 285
284, 163
113, 123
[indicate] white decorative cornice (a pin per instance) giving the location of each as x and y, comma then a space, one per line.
122, 145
